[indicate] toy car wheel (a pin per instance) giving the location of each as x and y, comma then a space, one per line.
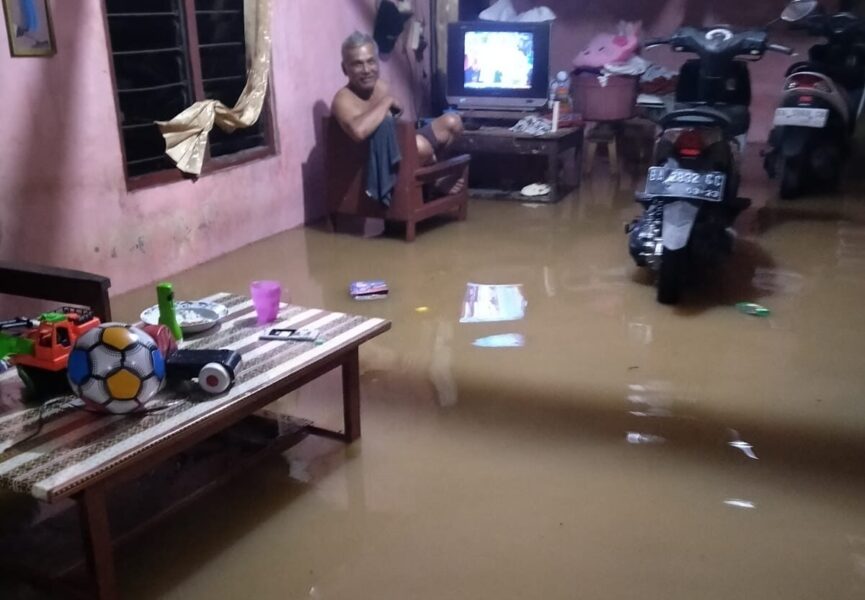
27, 379
214, 378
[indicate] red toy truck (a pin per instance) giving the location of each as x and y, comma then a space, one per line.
41, 352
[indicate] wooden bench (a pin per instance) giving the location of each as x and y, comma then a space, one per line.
52, 283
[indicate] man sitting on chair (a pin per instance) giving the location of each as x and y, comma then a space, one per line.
365, 101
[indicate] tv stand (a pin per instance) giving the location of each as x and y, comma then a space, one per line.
490, 140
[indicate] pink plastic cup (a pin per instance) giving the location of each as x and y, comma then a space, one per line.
265, 298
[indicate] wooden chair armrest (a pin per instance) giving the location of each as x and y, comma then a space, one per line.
445, 167
53, 283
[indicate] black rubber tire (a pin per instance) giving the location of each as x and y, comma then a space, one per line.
30, 388
791, 178
41, 385
671, 275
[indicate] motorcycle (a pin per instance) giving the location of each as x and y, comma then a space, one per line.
822, 100
691, 196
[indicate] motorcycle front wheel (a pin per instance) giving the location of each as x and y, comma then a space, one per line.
671, 275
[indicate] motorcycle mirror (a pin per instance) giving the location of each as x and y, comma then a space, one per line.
799, 9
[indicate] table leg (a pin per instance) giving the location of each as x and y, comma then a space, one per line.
553, 172
97, 542
351, 395
578, 166
613, 153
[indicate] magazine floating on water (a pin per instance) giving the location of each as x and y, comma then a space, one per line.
368, 290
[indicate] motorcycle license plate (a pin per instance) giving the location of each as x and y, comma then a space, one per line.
802, 117
666, 182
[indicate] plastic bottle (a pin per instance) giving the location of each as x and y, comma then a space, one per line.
167, 315
756, 310
560, 91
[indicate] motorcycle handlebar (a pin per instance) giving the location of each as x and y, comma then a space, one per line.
779, 48
655, 42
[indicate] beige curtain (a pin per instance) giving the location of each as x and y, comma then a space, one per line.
186, 134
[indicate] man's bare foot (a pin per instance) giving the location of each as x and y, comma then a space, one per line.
457, 187
451, 185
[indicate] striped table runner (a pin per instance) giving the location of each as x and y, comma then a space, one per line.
74, 444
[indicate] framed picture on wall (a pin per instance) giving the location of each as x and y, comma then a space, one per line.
28, 24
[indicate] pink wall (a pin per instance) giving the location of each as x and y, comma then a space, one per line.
63, 198
579, 20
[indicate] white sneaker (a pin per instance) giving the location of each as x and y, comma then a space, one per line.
535, 189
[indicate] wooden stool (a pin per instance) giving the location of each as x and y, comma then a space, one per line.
606, 134
638, 137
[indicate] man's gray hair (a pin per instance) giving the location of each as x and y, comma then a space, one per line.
356, 40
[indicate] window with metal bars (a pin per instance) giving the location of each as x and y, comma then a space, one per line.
168, 54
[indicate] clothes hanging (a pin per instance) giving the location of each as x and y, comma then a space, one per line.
389, 23
383, 162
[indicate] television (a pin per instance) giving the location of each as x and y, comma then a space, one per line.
498, 66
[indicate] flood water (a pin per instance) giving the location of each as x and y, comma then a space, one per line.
535, 425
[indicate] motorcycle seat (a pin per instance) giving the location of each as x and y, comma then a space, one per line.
733, 120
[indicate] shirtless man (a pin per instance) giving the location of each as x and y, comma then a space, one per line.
365, 101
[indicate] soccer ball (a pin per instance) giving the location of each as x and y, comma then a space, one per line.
115, 368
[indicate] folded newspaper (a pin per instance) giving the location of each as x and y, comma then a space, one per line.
368, 290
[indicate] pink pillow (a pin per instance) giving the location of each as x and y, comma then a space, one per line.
606, 48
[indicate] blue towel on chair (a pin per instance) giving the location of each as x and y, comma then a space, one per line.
383, 163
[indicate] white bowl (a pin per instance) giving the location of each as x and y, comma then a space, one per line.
191, 316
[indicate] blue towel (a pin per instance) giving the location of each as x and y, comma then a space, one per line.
383, 163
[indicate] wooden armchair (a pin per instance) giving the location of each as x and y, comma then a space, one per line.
345, 169
61, 285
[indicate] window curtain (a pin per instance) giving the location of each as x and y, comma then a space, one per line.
186, 134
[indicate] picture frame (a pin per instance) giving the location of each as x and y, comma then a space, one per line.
29, 27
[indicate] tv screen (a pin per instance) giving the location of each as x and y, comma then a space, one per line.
498, 65
499, 59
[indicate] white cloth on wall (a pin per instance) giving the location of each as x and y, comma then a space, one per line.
503, 10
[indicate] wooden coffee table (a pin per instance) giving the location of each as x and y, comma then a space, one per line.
81, 455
